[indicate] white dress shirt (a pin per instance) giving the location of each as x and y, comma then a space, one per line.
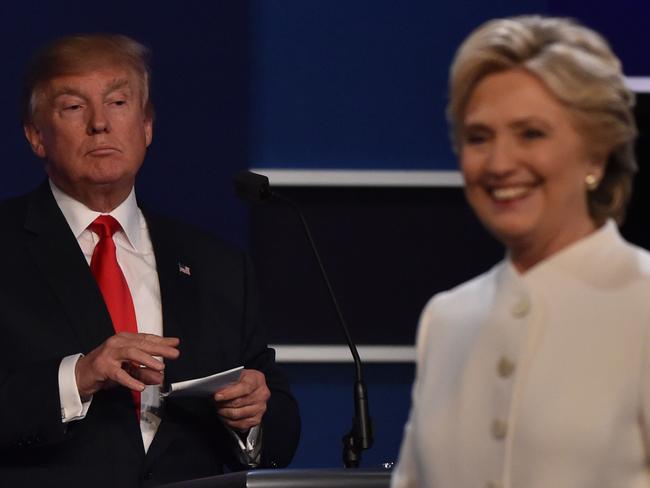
136, 258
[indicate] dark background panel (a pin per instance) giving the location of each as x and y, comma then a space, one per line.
387, 252
624, 23
636, 227
316, 84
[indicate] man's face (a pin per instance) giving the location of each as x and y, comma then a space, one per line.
92, 130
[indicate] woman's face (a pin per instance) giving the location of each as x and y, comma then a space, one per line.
524, 164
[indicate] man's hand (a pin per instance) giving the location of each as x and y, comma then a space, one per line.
125, 359
242, 405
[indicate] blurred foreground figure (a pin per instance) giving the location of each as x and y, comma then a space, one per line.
536, 374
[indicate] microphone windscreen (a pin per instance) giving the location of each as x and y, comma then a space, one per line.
252, 187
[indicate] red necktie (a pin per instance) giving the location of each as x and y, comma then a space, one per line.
111, 281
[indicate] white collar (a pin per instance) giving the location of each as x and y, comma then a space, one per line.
586, 256
79, 216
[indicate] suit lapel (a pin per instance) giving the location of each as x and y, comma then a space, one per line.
178, 297
56, 253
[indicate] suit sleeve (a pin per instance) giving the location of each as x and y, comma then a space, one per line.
281, 422
214, 311
31, 413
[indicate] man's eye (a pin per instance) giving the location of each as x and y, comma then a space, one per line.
118, 103
473, 139
72, 107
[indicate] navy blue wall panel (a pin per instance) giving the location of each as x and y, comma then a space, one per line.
362, 84
291, 83
317, 83
325, 393
624, 23
359, 84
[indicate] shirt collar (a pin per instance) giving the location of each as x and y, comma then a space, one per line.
79, 216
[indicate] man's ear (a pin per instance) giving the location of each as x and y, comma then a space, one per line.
148, 129
35, 139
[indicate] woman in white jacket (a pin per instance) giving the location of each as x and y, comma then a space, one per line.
536, 374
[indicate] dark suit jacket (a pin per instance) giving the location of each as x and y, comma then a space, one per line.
50, 307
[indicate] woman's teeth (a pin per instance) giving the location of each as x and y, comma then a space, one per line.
509, 193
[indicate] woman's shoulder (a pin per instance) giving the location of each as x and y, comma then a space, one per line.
452, 314
468, 292
642, 260
630, 264
465, 299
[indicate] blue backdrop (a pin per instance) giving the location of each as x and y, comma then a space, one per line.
289, 83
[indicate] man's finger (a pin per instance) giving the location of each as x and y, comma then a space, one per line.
249, 381
147, 376
150, 343
237, 402
242, 425
137, 358
251, 411
156, 339
231, 392
258, 396
120, 376
155, 349
148, 337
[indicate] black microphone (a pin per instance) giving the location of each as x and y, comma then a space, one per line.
255, 188
252, 187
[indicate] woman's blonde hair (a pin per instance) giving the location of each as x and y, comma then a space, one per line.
579, 68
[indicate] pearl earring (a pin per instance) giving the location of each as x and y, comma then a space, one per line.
591, 180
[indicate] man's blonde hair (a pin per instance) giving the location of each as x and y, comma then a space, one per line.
80, 54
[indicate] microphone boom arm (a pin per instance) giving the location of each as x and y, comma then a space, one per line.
255, 188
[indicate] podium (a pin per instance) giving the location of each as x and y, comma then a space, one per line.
293, 478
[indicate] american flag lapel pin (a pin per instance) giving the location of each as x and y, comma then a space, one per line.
184, 269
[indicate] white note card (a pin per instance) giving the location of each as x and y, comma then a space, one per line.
201, 387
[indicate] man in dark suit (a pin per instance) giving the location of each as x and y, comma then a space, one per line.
80, 389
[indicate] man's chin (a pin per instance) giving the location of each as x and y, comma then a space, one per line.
99, 194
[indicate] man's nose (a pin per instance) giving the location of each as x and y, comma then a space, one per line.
98, 121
